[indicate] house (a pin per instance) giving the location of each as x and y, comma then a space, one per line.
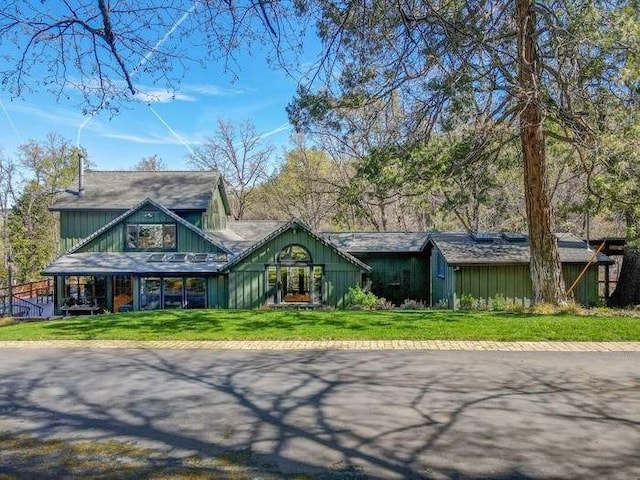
487, 264
150, 240
157, 240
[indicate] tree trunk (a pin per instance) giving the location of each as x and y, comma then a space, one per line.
546, 270
627, 291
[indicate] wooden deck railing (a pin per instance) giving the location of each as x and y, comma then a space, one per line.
42, 291
27, 298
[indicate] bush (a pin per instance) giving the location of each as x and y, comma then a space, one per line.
383, 304
544, 309
514, 307
358, 299
498, 302
467, 301
572, 308
442, 304
411, 304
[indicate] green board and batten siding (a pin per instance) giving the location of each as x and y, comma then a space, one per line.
442, 284
247, 279
218, 292
76, 225
216, 216
512, 281
113, 239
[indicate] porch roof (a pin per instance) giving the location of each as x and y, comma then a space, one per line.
124, 263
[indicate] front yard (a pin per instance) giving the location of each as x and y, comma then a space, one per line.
335, 325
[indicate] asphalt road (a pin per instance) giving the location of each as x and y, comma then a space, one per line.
372, 414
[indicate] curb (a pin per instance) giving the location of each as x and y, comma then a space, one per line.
434, 345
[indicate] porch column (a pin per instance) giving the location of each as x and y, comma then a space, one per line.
108, 293
58, 286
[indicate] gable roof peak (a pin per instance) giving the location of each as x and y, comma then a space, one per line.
139, 206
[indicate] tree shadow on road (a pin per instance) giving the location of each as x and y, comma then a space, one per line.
327, 414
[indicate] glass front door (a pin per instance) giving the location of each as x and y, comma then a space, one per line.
295, 283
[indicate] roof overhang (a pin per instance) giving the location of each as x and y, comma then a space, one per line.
126, 263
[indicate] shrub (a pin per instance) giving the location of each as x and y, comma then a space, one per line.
358, 299
514, 307
383, 304
411, 304
544, 309
481, 305
571, 308
466, 301
498, 302
442, 304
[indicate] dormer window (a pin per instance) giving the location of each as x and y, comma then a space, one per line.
150, 236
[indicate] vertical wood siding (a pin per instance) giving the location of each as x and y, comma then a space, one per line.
218, 292
113, 239
514, 282
193, 217
442, 287
216, 215
586, 291
77, 225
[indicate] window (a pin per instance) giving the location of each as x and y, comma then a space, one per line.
195, 292
150, 293
440, 266
294, 253
122, 293
173, 292
81, 290
318, 280
151, 236
272, 285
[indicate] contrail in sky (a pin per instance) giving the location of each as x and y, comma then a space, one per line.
10, 120
173, 132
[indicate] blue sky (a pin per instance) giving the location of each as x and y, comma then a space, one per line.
259, 93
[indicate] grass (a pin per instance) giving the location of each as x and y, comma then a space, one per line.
24, 456
323, 325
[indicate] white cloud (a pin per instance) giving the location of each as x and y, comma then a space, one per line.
162, 96
210, 90
58, 116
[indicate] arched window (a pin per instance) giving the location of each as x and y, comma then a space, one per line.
294, 254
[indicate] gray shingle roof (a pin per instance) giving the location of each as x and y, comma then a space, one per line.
121, 190
378, 242
462, 249
240, 235
110, 263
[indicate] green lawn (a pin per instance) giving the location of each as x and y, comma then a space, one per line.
337, 325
